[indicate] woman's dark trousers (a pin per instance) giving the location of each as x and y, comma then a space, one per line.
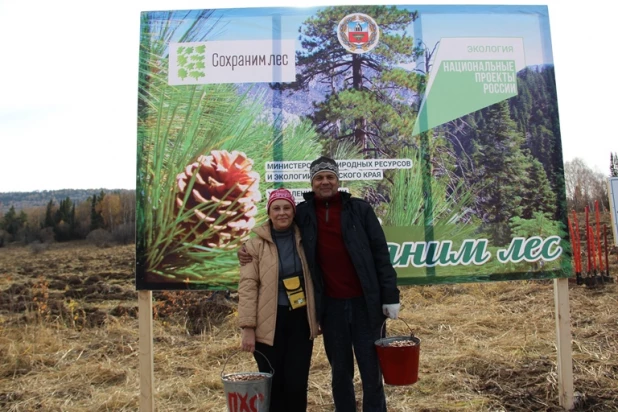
290, 357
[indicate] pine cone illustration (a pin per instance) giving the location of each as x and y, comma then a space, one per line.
221, 200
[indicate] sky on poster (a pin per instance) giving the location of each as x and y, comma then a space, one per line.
68, 100
241, 24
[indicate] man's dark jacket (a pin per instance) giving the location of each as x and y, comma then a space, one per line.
364, 239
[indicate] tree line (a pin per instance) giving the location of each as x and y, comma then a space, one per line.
24, 200
101, 216
585, 186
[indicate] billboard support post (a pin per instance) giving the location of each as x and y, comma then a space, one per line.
146, 361
564, 361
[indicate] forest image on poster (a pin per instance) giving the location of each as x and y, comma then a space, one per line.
443, 118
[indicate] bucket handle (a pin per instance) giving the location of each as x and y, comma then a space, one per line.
272, 371
382, 330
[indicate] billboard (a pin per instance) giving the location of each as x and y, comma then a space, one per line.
613, 205
444, 118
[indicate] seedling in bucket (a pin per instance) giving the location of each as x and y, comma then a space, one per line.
399, 356
247, 391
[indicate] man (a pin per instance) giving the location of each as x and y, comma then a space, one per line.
354, 281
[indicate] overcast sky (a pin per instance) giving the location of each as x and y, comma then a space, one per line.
68, 94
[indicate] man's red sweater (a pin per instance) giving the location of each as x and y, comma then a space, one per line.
340, 278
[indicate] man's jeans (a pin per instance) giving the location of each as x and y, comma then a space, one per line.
347, 333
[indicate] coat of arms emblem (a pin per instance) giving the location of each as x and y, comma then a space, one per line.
358, 33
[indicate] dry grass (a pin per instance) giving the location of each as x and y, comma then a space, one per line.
69, 341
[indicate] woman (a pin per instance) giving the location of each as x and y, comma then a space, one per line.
275, 304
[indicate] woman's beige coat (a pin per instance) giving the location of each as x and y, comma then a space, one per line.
258, 286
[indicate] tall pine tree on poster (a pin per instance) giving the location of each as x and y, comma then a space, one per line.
368, 97
499, 171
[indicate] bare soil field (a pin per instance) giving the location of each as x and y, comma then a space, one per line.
69, 341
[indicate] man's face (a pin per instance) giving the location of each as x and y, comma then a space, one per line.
325, 185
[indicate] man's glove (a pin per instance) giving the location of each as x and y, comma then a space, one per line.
392, 310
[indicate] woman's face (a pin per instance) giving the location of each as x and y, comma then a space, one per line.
281, 214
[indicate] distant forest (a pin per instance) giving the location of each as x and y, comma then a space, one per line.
100, 215
25, 200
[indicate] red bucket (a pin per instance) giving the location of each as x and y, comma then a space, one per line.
399, 357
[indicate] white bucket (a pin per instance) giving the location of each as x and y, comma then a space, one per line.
247, 391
